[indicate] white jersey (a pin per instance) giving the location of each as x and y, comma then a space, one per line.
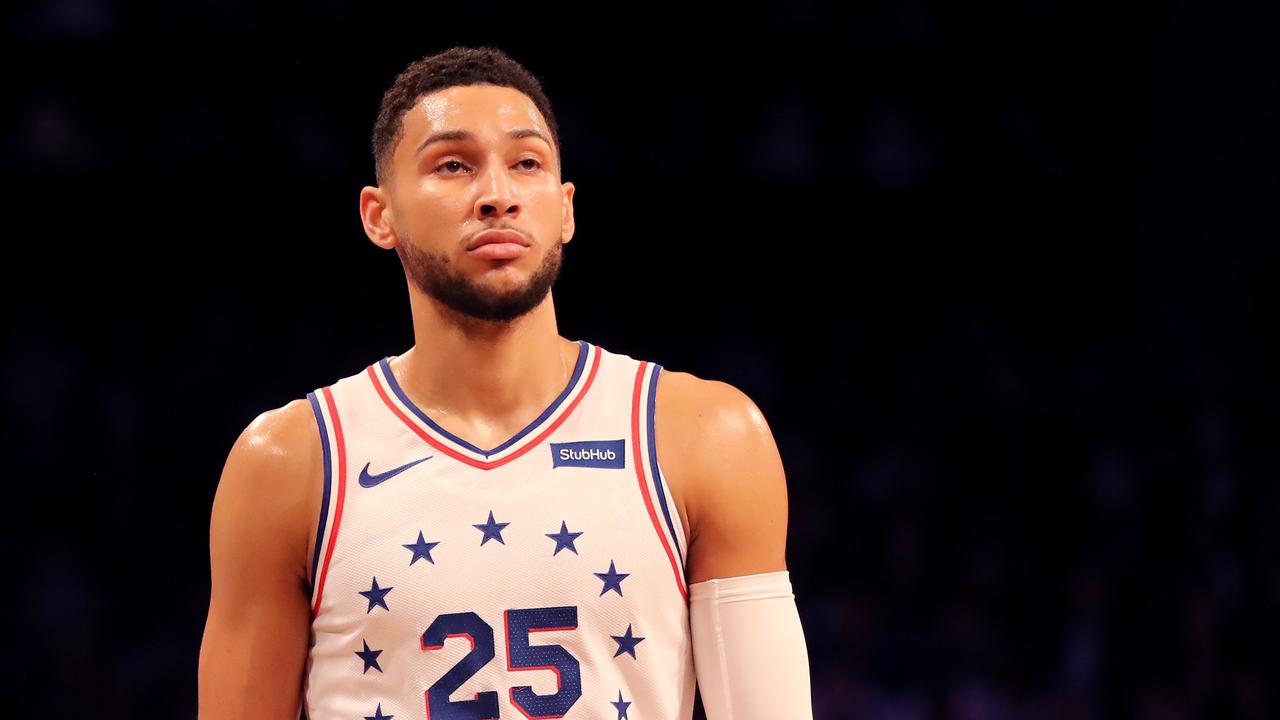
543, 578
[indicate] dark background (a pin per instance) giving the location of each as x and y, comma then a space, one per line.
998, 276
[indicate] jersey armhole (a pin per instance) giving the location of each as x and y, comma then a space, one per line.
319, 541
665, 497
334, 490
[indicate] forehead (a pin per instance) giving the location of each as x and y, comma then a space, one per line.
480, 109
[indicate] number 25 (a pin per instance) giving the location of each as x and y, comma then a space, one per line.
517, 624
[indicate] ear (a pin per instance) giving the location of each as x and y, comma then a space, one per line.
567, 225
378, 217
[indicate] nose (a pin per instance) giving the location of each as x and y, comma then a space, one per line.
497, 198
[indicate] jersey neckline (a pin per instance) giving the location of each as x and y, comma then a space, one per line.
475, 455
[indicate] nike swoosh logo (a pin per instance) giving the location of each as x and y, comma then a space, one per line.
369, 480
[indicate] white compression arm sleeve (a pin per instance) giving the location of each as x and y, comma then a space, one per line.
748, 648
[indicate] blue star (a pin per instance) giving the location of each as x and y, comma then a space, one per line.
612, 579
564, 539
421, 549
492, 530
377, 596
621, 705
377, 714
370, 658
627, 643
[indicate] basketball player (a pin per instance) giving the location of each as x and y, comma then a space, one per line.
500, 522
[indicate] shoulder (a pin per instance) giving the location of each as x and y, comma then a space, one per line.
713, 442
282, 441
715, 411
271, 480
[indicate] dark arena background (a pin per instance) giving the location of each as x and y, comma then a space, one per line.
1002, 279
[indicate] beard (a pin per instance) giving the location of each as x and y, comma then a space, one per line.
435, 275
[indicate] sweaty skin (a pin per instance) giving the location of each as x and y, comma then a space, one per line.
716, 449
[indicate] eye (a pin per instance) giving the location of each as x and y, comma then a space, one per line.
529, 164
450, 167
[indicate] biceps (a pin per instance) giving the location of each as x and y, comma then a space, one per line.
742, 526
255, 641
735, 541
252, 656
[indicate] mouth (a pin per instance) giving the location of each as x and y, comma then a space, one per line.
500, 237
498, 245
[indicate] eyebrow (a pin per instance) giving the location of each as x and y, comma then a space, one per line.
465, 136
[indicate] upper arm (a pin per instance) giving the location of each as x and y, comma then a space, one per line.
256, 636
722, 464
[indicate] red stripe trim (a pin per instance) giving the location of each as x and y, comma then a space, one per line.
644, 485
463, 458
342, 494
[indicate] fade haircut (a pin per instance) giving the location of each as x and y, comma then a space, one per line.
451, 68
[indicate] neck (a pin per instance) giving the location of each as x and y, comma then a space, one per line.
478, 373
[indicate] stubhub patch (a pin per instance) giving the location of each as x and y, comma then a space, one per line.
590, 453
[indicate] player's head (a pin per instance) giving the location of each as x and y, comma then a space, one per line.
466, 142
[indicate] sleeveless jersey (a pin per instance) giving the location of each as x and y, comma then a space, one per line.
543, 578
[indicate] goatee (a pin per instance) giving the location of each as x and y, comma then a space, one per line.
434, 274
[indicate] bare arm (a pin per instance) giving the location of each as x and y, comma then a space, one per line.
256, 637
723, 466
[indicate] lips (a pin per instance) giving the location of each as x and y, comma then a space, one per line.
491, 237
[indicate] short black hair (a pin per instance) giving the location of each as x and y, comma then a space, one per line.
453, 67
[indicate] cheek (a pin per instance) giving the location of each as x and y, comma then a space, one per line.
435, 206
428, 221
550, 209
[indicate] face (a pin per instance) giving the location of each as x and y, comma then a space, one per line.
474, 203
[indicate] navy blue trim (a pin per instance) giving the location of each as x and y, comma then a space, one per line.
324, 503
577, 373
653, 456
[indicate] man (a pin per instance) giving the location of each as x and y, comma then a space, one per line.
500, 522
